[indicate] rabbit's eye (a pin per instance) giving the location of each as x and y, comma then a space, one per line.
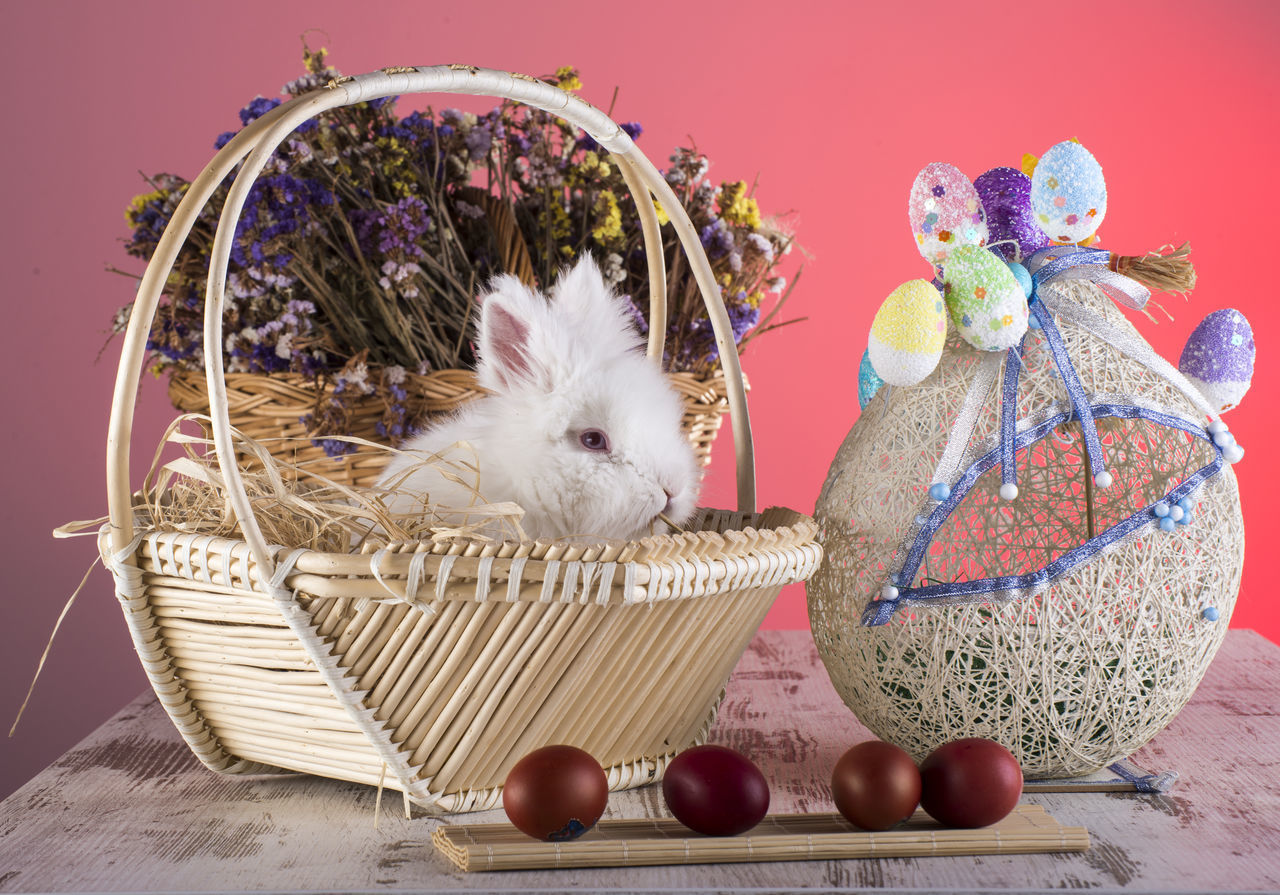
594, 440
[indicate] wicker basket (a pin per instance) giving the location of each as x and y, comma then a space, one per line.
269, 407
431, 668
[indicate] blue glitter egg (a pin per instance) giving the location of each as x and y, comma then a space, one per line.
869, 381
1068, 193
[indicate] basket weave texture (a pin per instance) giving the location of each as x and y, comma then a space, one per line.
1081, 673
432, 667
457, 659
270, 409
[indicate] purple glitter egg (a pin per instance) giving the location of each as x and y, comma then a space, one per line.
1006, 197
1218, 358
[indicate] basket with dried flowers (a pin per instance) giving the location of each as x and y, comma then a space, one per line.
437, 657
357, 262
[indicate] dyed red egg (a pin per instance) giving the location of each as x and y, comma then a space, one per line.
555, 793
969, 783
875, 785
715, 791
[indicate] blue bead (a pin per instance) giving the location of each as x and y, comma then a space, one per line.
1187, 504
1210, 613
1023, 276
1161, 509
1167, 524
939, 491
1186, 519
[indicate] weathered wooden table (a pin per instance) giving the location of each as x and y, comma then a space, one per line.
131, 809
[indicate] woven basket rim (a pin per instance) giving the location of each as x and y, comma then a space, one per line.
719, 550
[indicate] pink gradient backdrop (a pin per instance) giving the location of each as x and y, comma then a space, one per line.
834, 106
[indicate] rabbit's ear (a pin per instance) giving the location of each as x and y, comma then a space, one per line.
508, 316
582, 299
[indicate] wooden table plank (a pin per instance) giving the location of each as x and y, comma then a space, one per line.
130, 809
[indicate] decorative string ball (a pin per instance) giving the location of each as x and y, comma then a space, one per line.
1038, 541
1079, 674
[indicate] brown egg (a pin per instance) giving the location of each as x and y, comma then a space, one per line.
715, 791
555, 793
875, 785
970, 783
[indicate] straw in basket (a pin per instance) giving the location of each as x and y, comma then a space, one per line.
271, 407
433, 667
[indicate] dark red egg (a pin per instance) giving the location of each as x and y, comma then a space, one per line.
555, 793
875, 785
715, 791
972, 782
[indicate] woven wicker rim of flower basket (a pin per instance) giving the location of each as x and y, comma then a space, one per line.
270, 408
433, 666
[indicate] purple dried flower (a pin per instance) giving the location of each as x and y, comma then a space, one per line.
257, 107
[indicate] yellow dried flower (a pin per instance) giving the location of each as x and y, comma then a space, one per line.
663, 219
139, 204
736, 207
567, 78
314, 61
610, 217
561, 225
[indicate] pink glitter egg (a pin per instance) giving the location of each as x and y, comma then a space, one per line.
945, 212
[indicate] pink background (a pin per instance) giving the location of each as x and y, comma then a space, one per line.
834, 106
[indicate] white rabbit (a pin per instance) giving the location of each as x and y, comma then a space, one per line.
580, 429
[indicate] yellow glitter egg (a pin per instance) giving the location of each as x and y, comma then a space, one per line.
908, 333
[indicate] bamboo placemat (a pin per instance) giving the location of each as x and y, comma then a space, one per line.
779, 837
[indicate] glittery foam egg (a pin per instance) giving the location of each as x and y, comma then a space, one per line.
986, 301
1068, 193
945, 212
908, 333
869, 381
1006, 197
1218, 358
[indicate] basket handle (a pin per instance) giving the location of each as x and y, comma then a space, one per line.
254, 146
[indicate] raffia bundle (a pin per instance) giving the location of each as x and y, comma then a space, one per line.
1080, 673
